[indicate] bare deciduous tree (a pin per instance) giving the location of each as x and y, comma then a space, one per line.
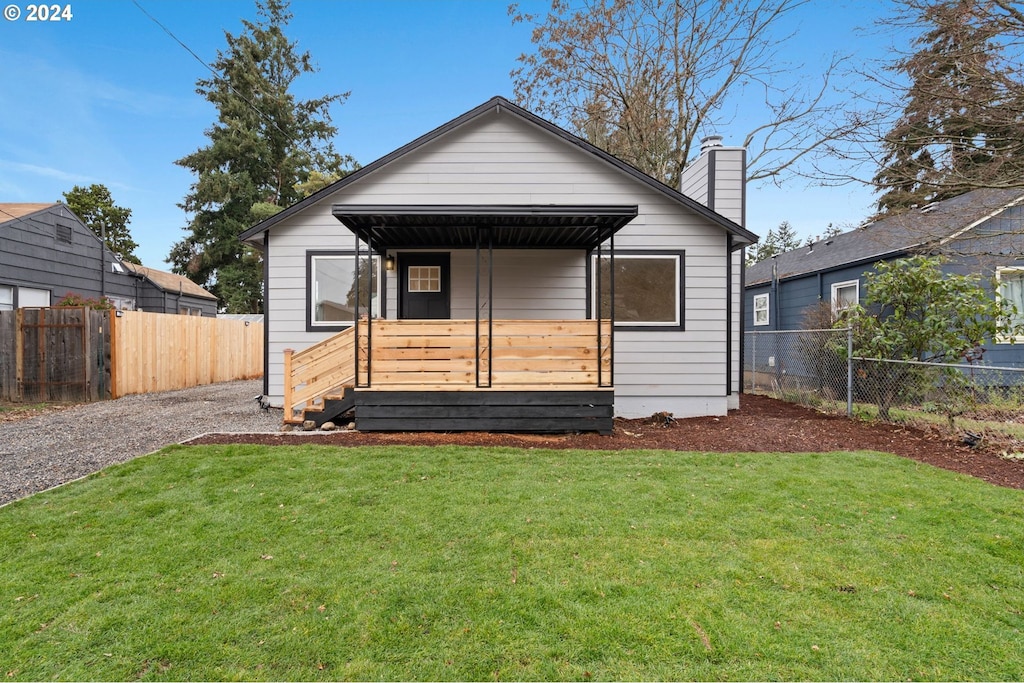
645, 79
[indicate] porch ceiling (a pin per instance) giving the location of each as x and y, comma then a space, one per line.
544, 226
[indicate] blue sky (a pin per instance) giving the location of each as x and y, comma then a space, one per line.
108, 97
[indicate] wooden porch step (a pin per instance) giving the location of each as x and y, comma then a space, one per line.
333, 406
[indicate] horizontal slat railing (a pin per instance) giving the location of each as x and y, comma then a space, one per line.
323, 369
443, 354
416, 353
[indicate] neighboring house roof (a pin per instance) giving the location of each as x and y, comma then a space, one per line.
169, 282
12, 211
255, 233
890, 236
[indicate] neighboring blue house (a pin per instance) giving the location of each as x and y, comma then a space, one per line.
981, 232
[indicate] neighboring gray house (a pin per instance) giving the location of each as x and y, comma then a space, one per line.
47, 252
486, 235
980, 232
171, 293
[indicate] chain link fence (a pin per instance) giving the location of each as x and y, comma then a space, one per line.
800, 366
820, 369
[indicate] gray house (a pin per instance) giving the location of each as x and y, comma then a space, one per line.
980, 232
500, 273
47, 252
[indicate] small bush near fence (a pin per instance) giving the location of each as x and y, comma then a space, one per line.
815, 368
79, 354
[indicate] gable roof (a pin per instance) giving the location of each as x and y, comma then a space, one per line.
500, 104
169, 282
11, 211
891, 236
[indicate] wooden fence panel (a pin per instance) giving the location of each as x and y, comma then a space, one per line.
159, 352
8, 342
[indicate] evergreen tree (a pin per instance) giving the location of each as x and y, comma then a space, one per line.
263, 145
960, 127
775, 242
97, 209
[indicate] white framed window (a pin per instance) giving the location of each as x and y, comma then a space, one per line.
332, 289
1010, 287
33, 298
845, 295
424, 279
6, 298
761, 309
648, 289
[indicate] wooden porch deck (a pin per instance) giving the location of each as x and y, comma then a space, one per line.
448, 375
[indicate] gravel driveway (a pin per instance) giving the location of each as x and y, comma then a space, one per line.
41, 452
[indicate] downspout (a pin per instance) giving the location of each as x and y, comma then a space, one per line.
743, 314
775, 295
728, 315
266, 313
103, 259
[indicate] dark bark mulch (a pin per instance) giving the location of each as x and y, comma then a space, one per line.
761, 424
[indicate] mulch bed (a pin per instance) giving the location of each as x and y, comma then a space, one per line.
761, 424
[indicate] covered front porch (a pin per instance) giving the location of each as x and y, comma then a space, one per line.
485, 373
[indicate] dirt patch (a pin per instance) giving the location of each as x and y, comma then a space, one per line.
761, 424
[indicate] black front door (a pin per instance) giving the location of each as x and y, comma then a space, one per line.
424, 290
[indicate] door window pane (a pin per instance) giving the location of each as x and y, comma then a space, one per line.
424, 278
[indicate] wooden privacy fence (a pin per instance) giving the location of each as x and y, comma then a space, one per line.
77, 354
54, 354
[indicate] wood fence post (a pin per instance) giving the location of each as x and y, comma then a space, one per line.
288, 384
115, 361
19, 354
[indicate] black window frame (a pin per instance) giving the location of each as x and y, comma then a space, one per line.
678, 254
379, 278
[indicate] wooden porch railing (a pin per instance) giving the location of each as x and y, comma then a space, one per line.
452, 355
321, 370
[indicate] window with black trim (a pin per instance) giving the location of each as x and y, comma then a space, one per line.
648, 289
332, 290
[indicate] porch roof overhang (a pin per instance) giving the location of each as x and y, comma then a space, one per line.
460, 226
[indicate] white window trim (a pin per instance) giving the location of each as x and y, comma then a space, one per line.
1017, 271
836, 286
765, 308
677, 257
375, 300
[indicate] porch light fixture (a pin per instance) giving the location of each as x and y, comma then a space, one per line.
389, 263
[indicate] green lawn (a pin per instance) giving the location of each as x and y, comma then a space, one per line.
244, 562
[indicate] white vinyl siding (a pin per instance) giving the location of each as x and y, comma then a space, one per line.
500, 159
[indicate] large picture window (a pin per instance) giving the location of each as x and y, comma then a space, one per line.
1011, 288
648, 290
332, 289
